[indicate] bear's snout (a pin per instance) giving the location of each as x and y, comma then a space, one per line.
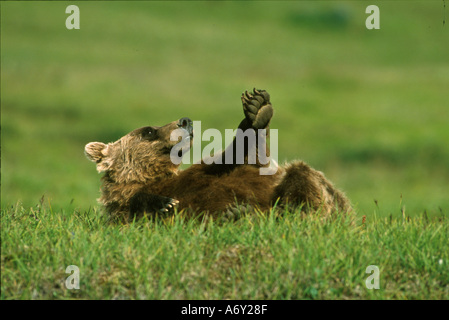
186, 123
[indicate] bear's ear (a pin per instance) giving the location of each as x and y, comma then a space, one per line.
96, 152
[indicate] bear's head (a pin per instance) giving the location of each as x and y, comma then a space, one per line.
143, 154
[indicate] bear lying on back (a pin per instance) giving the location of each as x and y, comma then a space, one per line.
141, 178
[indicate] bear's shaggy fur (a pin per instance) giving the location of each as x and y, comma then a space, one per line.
140, 177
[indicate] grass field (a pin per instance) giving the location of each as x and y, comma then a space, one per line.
272, 256
369, 108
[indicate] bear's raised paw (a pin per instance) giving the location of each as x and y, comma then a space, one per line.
257, 108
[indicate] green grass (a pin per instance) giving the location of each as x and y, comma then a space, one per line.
263, 256
368, 108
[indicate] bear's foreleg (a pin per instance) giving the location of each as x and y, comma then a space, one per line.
244, 149
144, 202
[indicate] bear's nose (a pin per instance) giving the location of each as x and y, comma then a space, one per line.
185, 123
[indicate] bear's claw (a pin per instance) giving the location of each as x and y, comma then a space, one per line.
169, 206
257, 108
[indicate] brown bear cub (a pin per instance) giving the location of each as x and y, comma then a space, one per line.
141, 178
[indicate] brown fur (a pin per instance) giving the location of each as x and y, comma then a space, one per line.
140, 177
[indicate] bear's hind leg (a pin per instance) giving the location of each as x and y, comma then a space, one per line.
307, 187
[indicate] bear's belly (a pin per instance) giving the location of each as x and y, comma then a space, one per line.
197, 190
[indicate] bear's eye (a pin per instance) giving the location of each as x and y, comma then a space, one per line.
149, 133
